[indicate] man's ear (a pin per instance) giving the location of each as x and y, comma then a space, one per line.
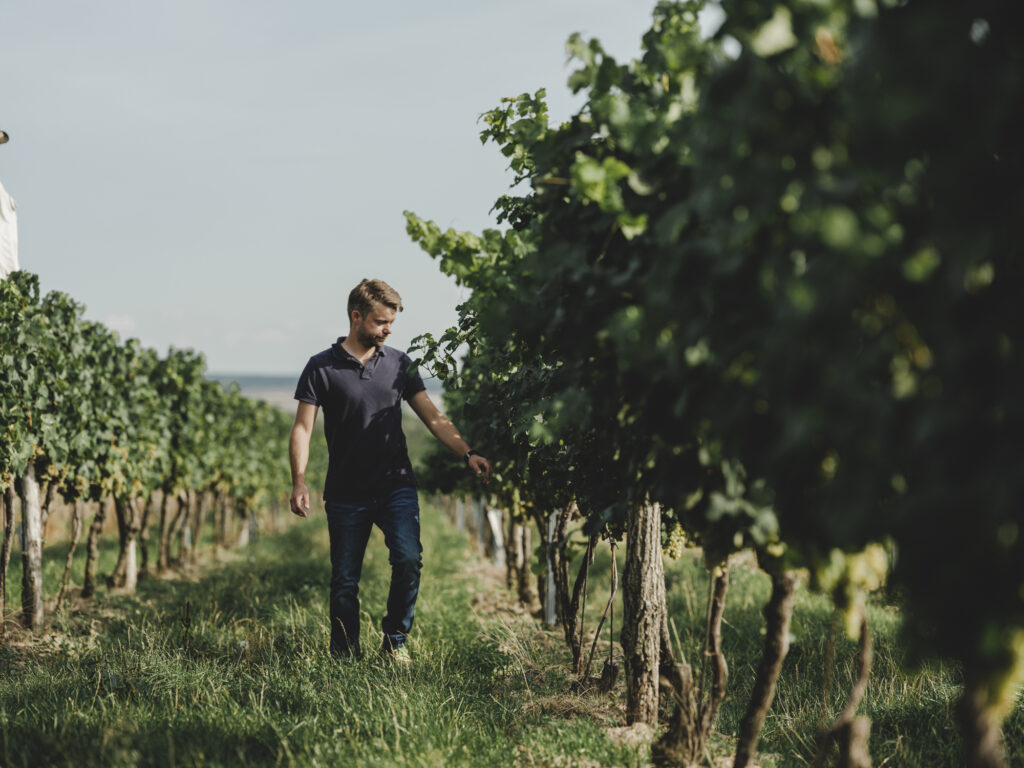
355, 316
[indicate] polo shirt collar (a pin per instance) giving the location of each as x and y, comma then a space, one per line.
344, 354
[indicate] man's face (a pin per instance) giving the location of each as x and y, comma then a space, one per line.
373, 328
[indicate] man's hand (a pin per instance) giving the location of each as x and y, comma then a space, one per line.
481, 466
298, 455
299, 501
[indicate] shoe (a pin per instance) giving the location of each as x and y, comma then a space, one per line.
399, 655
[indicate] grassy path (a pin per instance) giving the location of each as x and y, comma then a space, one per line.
232, 669
249, 680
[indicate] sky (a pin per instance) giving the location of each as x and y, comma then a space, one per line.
218, 174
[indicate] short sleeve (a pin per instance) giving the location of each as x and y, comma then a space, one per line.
305, 390
413, 383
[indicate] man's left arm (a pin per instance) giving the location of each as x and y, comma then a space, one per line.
446, 433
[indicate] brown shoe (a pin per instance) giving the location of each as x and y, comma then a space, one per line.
399, 655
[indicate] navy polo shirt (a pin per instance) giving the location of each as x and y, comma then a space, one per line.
362, 419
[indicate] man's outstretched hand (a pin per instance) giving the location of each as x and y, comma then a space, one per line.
480, 466
299, 501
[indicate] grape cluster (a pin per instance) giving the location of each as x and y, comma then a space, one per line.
675, 542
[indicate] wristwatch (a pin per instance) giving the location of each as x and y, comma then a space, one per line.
470, 453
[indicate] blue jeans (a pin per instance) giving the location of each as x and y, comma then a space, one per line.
397, 514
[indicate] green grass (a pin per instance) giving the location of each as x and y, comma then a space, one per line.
912, 723
250, 681
910, 706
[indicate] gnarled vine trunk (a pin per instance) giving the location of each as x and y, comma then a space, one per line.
177, 524
695, 709
979, 727
778, 612
5, 552
163, 551
643, 603
76, 534
713, 649
147, 513
223, 518
682, 741
850, 731
511, 562
567, 601
31, 549
129, 521
521, 537
572, 617
180, 525
190, 541
558, 562
47, 494
92, 549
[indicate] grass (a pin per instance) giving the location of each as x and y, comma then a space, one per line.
250, 680
905, 705
910, 705
229, 666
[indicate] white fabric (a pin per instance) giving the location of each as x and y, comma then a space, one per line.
8, 234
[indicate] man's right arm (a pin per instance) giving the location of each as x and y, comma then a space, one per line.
298, 454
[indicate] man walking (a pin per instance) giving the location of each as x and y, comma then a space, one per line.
360, 383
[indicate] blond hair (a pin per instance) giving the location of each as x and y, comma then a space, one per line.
370, 292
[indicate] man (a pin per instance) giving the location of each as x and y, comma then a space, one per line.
360, 383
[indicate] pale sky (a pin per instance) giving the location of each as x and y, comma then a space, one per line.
218, 174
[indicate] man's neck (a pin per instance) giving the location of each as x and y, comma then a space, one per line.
358, 351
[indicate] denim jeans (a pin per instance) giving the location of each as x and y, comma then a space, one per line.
397, 514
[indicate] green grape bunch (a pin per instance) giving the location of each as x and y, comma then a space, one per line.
674, 542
